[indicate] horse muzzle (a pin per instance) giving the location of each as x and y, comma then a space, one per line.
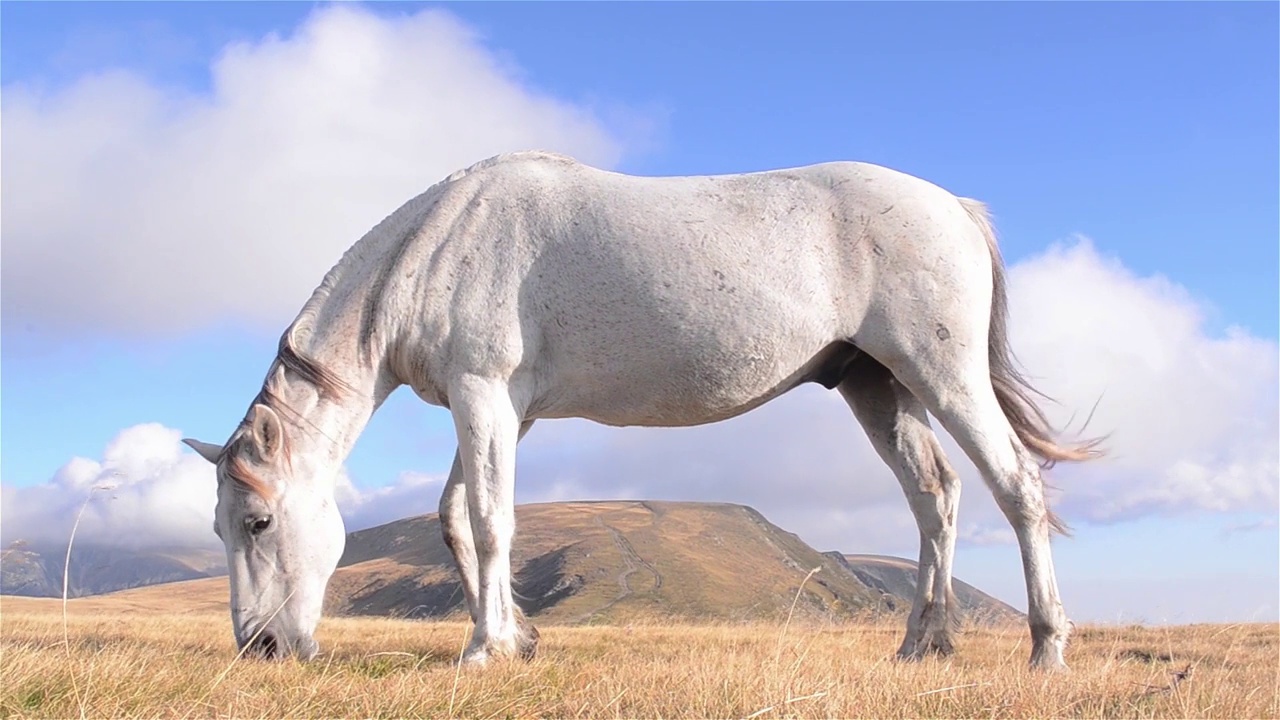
267, 645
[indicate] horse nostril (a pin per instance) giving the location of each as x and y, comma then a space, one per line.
265, 646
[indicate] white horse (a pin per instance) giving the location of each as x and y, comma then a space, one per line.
532, 286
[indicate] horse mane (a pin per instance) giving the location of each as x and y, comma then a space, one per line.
288, 358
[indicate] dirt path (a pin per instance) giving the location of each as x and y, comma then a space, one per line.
632, 563
632, 559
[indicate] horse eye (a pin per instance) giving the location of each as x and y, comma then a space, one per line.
258, 525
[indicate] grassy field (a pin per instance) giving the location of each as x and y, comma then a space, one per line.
138, 661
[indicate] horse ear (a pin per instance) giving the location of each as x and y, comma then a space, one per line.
208, 451
268, 433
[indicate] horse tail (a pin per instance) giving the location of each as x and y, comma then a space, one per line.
1013, 390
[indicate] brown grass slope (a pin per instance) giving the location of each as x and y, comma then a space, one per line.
181, 664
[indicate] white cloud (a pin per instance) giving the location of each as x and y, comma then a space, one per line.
1194, 418
164, 211
980, 534
153, 491
158, 496
411, 494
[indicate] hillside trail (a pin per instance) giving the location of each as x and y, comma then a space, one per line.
632, 563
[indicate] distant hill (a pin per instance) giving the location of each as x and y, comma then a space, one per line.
895, 578
36, 570
576, 562
608, 561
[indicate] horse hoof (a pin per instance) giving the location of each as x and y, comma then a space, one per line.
474, 657
939, 647
1049, 663
527, 646
1047, 655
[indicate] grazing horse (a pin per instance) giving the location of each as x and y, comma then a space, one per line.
533, 286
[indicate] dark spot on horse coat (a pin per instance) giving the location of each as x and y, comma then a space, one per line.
722, 287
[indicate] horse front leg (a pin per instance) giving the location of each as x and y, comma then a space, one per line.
488, 428
455, 528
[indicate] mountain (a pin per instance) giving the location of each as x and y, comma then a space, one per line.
895, 578
588, 562
573, 562
36, 570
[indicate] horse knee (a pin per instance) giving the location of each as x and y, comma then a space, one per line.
927, 462
1021, 499
453, 523
449, 534
938, 496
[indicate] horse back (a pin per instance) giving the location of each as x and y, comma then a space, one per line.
660, 300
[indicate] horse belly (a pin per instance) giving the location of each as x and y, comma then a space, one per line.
684, 363
692, 394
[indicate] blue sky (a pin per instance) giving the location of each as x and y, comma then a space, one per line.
1149, 129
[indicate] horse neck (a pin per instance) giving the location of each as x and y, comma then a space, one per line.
334, 333
342, 415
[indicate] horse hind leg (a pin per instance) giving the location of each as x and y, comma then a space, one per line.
455, 529
957, 389
947, 343
899, 430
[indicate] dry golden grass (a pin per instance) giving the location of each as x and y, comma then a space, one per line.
144, 663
